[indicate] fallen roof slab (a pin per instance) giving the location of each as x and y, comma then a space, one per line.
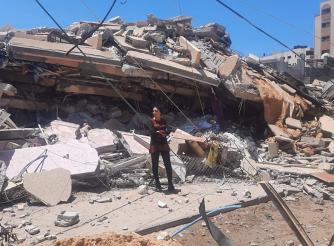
55, 53
151, 61
50, 187
78, 158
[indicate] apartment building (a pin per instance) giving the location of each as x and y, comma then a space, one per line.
324, 30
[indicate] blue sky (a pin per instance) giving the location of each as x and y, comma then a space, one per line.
274, 16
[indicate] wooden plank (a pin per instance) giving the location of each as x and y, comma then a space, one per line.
324, 176
194, 51
164, 65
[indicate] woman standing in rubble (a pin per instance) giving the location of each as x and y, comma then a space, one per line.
159, 146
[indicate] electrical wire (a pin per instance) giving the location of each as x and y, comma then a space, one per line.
139, 65
89, 9
292, 26
94, 30
273, 38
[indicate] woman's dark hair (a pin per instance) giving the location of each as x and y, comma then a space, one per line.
157, 108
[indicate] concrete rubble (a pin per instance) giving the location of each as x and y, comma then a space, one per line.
87, 123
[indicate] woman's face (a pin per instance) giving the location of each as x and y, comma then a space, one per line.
156, 112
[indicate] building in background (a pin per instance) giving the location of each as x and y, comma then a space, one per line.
289, 62
324, 30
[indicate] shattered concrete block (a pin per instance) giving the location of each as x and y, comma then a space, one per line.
326, 166
293, 123
195, 53
312, 142
42, 186
229, 66
95, 41
103, 140
331, 147
32, 229
163, 236
67, 219
142, 190
288, 89
273, 149
65, 130
162, 204
103, 199
327, 124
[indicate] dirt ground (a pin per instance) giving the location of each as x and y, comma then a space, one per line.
263, 225
112, 240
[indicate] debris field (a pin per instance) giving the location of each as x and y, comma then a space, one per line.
75, 124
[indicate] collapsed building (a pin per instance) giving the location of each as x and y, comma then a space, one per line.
86, 108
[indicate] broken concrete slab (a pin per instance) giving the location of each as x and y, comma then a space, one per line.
95, 41
32, 229
288, 89
278, 131
327, 124
65, 130
78, 158
66, 219
50, 187
273, 149
312, 142
331, 147
164, 65
18, 133
195, 53
324, 176
229, 66
103, 140
293, 123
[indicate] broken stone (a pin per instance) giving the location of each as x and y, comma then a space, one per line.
293, 123
142, 190
42, 186
32, 229
20, 206
103, 140
102, 219
289, 243
8, 210
66, 219
103, 199
40, 238
162, 204
331, 147
247, 194
327, 124
163, 236
273, 149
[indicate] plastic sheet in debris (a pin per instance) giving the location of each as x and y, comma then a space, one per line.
200, 123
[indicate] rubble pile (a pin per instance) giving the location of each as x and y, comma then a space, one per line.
89, 115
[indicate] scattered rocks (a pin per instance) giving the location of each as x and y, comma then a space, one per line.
32, 229
142, 190
66, 219
162, 204
247, 194
289, 243
163, 236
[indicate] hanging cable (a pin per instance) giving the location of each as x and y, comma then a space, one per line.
94, 30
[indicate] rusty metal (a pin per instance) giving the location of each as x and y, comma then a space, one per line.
287, 214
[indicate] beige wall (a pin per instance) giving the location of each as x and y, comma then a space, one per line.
319, 31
